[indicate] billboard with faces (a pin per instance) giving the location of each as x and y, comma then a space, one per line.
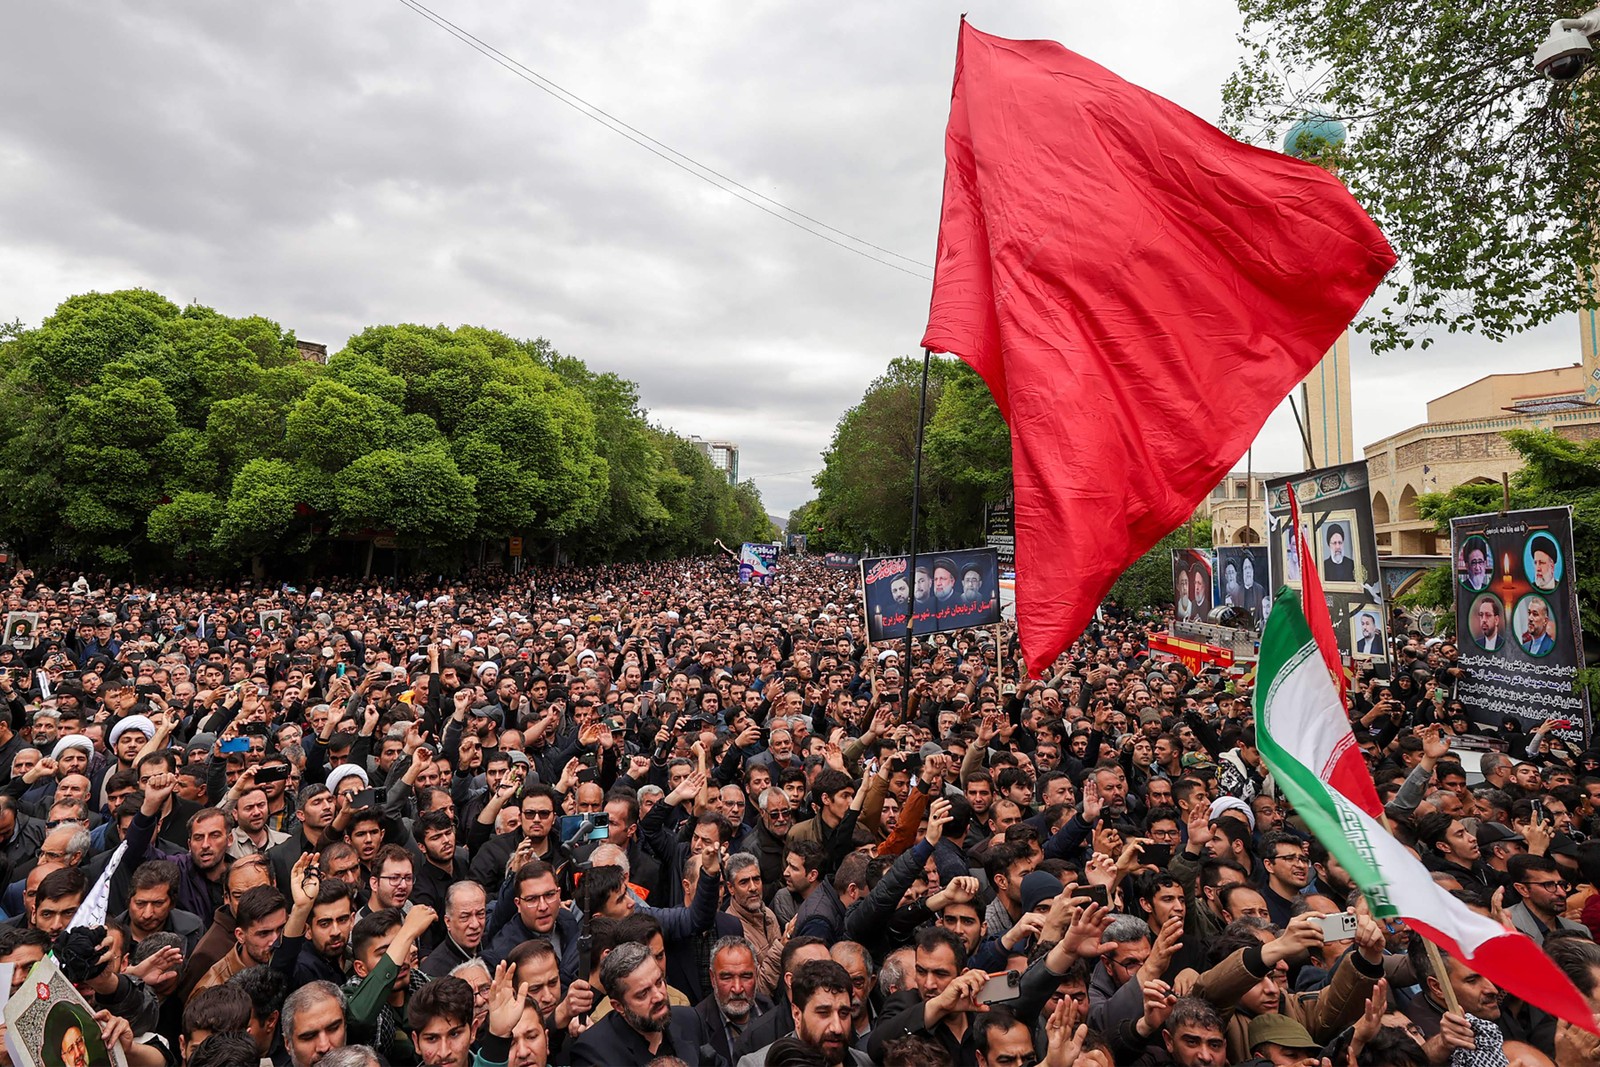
1517, 625
1336, 510
1194, 591
951, 590
1242, 579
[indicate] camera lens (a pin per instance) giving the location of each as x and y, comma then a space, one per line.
1567, 67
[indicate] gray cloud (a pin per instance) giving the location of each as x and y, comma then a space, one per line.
335, 166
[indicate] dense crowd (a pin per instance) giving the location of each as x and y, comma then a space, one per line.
645, 814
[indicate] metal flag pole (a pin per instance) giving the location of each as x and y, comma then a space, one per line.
916, 515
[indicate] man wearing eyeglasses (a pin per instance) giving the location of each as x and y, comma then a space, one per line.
1288, 869
530, 906
393, 877
1543, 888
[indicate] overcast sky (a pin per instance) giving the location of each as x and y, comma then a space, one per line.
333, 166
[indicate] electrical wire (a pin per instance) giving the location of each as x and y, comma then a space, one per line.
678, 159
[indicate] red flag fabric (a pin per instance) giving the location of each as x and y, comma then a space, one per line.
1138, 290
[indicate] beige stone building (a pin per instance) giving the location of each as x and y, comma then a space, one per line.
1463, 441
1237, 508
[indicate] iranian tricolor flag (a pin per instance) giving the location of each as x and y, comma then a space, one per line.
1304, 735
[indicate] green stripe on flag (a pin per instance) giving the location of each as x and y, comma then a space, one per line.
1287, 652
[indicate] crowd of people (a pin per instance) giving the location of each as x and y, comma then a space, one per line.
645, 814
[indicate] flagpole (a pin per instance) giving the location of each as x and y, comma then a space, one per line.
916, 514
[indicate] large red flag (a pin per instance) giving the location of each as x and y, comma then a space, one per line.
1139, 291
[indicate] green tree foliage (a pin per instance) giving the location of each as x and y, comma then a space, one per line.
137, 434
1148, 582
1556, 472
1481, 174
863, 498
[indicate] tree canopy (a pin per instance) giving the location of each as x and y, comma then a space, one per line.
864, 489
1481, 173
137, 434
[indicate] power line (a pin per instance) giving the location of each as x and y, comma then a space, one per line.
678, 159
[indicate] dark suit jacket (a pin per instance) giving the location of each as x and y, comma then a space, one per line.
716, 1028
767, 1027
612, 1041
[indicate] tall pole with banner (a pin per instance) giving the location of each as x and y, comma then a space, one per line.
916, 515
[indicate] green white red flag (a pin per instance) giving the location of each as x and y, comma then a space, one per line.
1304, 736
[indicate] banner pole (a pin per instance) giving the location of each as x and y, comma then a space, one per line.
916, 514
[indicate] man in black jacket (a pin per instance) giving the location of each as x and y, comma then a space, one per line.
779, 1022
643, 1024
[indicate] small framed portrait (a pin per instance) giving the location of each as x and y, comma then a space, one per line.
1486, 622
1366, 633
1534, 625
1339, 561
1475, 564
1542, 561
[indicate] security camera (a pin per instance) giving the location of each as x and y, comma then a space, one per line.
1566, 53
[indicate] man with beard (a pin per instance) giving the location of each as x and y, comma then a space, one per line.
152, 894
259, 918
465, 914
1475, 994
442, 863
201, 869
218, 940
381, 953
734, 998
320, 922
564, 1015
251, 834
644, 1024
819, 998
314, 807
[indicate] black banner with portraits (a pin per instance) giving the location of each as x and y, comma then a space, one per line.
1517, 621
1336, 508
954, 590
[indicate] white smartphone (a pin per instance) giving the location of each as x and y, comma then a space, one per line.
1340, 926
1001, 987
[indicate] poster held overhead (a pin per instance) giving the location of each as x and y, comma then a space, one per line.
22, 629
757, 563
1193, 584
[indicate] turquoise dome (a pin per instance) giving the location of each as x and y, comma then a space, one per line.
1316, 129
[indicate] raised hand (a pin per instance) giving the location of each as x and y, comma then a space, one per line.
506, 1001
1083, 933
1092, 803
938, 817
1065, 1036
305, 879
1100, 870
1158, 1003
1199, 829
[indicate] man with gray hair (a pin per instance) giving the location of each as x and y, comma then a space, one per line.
1132, 939
465, 917
767, 842
351, 1056
313, 1023
735, 996
643, 1024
